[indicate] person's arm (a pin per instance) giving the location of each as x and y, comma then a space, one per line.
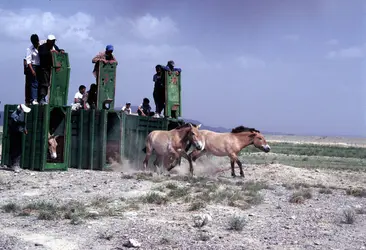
76, 98
99, 57
28, 58
142, 111
177, 69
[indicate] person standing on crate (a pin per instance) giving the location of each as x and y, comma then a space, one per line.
44, 76
159, 91
32, 69
17, 126
170, 67
105, 57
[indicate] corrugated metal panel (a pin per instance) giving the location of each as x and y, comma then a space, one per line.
106, 84
173, 103
60, 76
35, 154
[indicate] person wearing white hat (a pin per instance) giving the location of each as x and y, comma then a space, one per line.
45, 57
17, 127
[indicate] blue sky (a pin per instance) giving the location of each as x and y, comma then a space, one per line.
285, 66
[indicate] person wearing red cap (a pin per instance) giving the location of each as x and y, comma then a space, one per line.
105, 57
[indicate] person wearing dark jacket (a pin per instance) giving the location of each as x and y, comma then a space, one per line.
45, 57
159, 91
17, 126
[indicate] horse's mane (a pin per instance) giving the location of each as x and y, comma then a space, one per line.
240, 129
185, 125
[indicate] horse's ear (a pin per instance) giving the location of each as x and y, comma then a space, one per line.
49, 135
55, 137
252, 135
190, 124
198, 126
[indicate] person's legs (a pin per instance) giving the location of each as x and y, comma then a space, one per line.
43, 84
34, 86
156, 100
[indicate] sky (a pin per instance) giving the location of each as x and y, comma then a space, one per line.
286, 66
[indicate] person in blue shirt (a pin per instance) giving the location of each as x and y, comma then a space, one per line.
170, 67
17, 127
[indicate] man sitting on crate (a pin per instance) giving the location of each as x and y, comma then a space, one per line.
79, 99
105, 57
45, 58
17, 127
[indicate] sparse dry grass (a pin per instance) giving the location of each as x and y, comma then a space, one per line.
237, 223
357, 192
197, 205
325, 191
349, 216
74, 211
300, 196
154, 198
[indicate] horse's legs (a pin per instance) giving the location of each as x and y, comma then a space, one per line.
232, 163
148, 154
234, 159
241, 167
195, 154
157, 162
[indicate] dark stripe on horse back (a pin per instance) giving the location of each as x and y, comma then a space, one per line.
240, 129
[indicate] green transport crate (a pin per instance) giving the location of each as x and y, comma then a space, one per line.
60, 77
41, 121
173, 99
135, 130
106, 86
100, 137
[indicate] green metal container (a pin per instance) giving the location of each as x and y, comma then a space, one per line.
60, 76
106, 86
40, 121
173, 99
100, 137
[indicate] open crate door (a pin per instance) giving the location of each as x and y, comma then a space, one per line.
106, 85
173, 103
41, 121
60, 76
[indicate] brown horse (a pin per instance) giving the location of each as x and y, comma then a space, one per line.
230, 144
52, 145
170, 145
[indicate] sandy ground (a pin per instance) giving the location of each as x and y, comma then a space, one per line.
275, 223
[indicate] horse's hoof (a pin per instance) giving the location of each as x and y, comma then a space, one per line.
233, 175
242, 175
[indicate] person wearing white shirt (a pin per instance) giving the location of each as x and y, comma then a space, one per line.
127, 108
79, 98
32, 61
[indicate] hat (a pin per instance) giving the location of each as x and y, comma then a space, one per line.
51, 37
171, 62
24, 108
109, 48
128, 103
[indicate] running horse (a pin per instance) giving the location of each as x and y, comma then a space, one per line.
230, 144
170, 145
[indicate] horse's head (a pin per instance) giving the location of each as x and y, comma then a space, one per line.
195, 137
52, 145
259, 141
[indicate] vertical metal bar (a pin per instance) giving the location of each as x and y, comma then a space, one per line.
80, 137
91, 135
5, 150
44, 141
103, 138
34, 136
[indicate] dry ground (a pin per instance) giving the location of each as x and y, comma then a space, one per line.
274, 207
